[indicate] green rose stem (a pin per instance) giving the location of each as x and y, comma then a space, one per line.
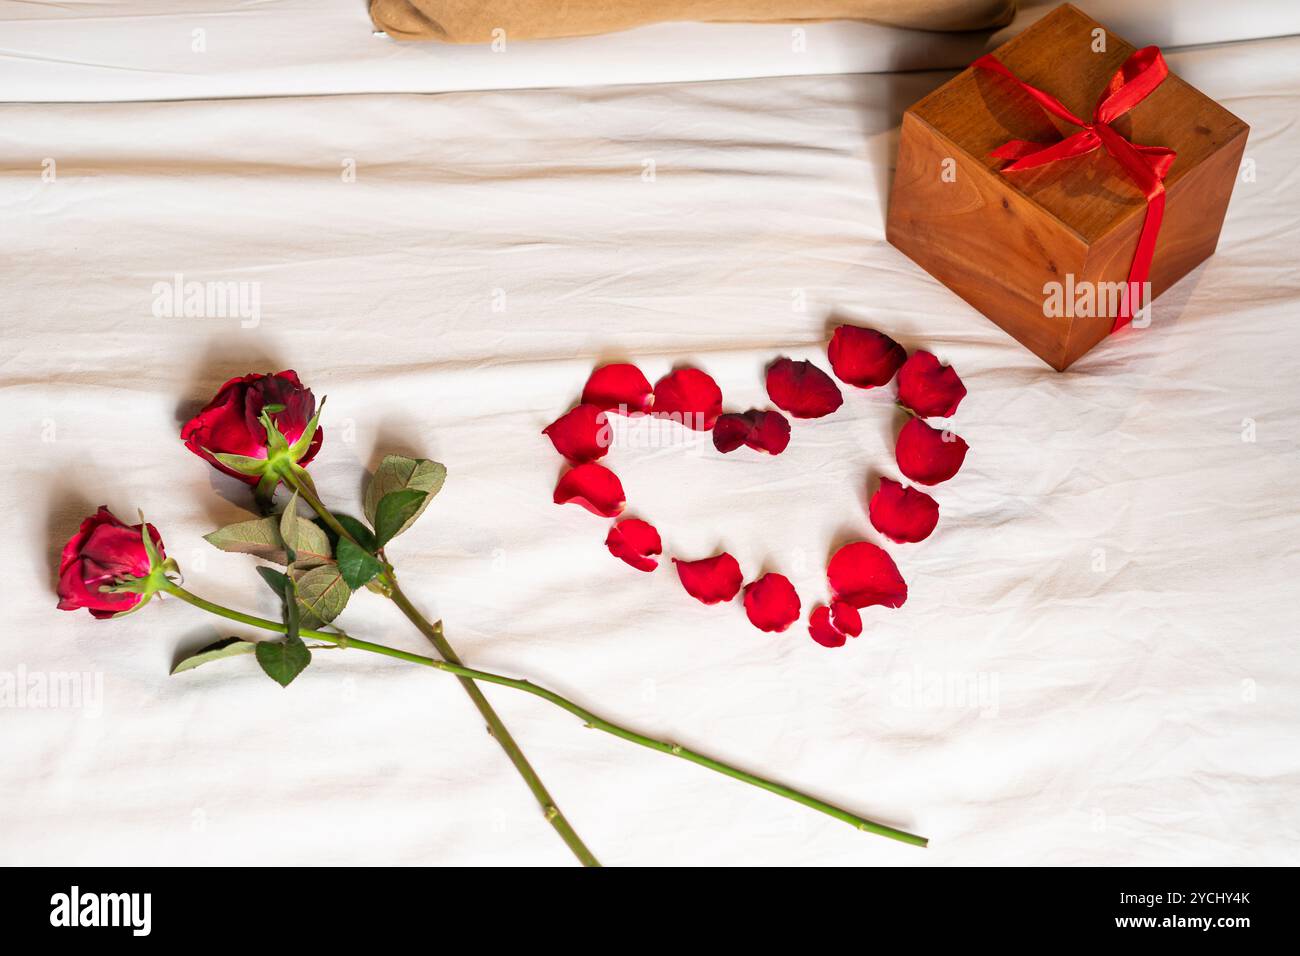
590, 719
302, 483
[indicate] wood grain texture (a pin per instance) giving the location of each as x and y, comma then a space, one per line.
997, 239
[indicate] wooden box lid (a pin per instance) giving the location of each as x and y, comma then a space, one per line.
978, 111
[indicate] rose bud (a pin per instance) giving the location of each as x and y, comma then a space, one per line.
108, 566
232, 434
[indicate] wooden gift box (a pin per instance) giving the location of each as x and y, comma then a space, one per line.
999, 240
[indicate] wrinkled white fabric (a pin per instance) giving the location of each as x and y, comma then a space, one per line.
141, 50
1096, 664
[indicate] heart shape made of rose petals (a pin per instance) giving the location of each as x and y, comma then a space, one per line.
860, 574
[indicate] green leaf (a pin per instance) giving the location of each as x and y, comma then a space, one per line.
227, 647
365, 537
289, 528
356, 566
312, 545
322, 595
396, 473
396, 511
261, 538
275, 580
283, 660
309, 544
223, 649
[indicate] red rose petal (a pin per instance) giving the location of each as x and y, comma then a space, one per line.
928, 388
771, 434
763, 431
822, 630
927, 455
864, 357
863, 575
802, 389
594, 487
730, 431
846, 618
690, 397
634, 541
580, 434
901, 514
621, 388
771, 603
710, 579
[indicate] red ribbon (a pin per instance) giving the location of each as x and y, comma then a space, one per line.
1146, 165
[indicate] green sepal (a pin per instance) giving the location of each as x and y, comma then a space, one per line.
276, 443
299, 448
146, 597
127, 585
242, 463
150, 548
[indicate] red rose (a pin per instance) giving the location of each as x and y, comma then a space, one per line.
103, 552
230, 423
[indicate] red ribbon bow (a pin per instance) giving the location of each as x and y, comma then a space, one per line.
1146, 165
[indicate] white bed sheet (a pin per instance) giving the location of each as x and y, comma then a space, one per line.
115, 50
1115, 564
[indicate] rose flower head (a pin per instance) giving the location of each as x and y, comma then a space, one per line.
110, 567
256, 426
